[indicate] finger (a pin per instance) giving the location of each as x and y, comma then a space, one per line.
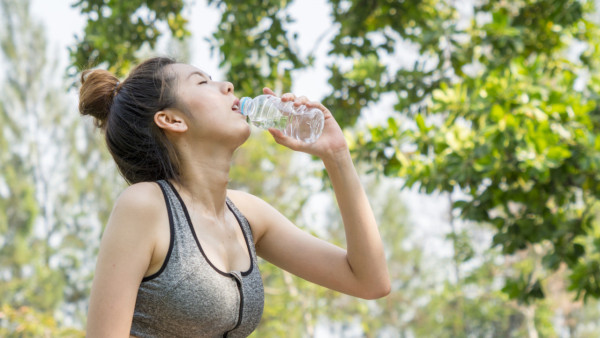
286, 141
268, 91
301, 100
319, 106
288, 97
314, 104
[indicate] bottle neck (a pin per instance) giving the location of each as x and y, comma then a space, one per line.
246, 106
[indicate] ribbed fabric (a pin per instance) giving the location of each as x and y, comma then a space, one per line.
189, 296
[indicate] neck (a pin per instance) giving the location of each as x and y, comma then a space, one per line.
204, 178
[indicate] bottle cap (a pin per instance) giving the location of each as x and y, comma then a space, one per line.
245, 105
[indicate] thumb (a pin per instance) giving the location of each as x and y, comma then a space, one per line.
268, 91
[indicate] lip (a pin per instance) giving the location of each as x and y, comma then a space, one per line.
236, 106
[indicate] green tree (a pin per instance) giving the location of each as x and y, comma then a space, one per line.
24, 255
425, 301
516, 136
117, 30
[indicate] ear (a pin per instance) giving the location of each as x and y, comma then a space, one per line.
170, 120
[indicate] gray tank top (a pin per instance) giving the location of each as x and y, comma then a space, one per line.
189, 296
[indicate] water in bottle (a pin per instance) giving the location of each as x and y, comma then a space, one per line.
267, 111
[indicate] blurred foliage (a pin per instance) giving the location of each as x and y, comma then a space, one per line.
117, 29
517, 137
254, 46
47, 217
29, 322
499, 108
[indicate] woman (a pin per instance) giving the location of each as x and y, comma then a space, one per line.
178, 255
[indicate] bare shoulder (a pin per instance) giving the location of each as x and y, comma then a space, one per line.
139, 208
239, 197
248, 203
135, 222
143, 196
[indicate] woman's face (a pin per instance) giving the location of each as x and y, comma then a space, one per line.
211, 107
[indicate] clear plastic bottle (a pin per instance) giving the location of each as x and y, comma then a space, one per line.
299, 122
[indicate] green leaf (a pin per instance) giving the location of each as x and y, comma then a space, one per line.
421, 123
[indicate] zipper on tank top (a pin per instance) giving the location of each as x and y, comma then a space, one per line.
238, 282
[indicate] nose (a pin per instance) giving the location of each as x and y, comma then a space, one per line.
228, 87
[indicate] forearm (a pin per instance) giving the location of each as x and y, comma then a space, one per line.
365, 253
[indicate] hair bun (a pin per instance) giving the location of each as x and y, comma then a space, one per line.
96, 94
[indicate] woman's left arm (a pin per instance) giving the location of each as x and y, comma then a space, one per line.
361, 269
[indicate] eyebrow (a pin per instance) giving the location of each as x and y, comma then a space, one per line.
201, 74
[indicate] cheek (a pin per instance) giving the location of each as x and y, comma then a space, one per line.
195, 100
201, 109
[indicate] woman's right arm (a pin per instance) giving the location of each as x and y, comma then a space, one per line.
125, 255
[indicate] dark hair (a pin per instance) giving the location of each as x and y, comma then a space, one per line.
125, 112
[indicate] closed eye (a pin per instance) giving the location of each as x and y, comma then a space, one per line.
202, 82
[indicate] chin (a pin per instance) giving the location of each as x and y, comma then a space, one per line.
242, 135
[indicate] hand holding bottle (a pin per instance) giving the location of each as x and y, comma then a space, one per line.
329, 145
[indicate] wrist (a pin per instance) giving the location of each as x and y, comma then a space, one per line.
336, 157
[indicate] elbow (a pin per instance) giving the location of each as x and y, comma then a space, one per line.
379, 291
382, 292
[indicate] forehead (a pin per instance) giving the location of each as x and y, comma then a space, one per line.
185, 71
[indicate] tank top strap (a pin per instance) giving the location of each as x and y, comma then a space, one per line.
177, 215
245, 227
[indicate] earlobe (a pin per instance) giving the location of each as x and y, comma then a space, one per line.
170, 121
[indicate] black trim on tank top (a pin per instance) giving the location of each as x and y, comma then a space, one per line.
246, 237
191, 226
238, 282
171, 239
